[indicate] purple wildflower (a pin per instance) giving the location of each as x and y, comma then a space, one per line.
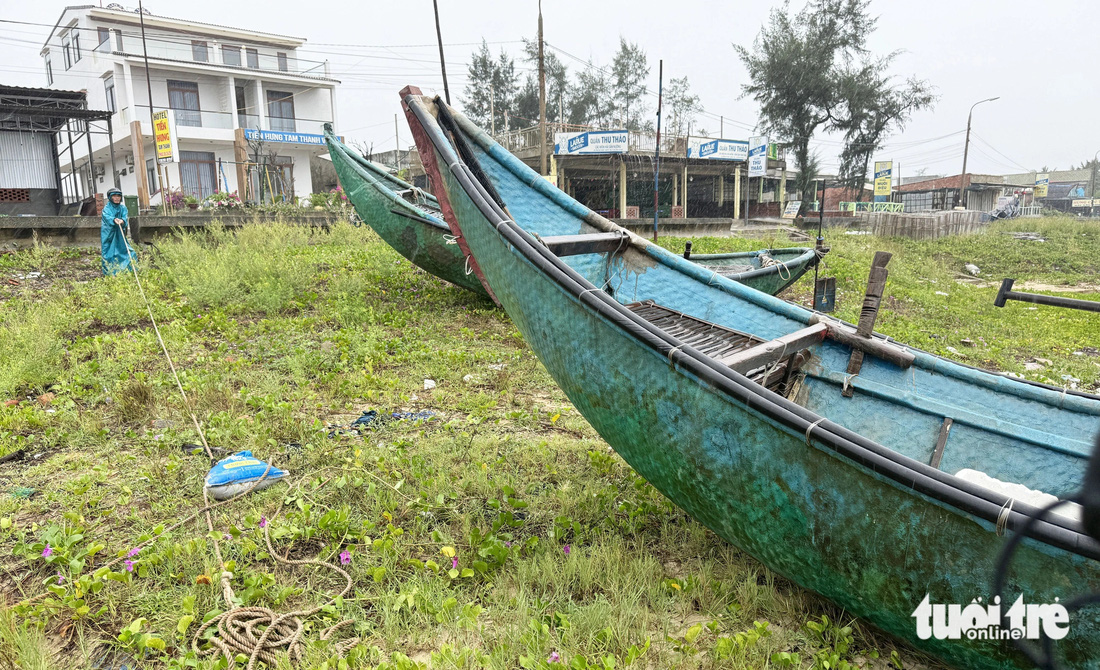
263, 521
129, 565
508, 544
566, 549
345, 557
48, 551
454, 561
553, 658
133, 552
60, 577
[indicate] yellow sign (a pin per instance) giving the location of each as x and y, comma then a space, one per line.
884, 176
1041, 183
162, 132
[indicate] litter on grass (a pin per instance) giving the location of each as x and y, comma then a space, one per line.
238, 473
373, 419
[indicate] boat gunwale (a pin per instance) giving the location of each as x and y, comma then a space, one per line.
377, 181
965, 497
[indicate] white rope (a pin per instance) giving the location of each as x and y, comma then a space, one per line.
1002, 518
468, 269
450, 239
672, 351
848, 381
810, 427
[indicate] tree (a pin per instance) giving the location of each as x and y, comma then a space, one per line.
629, 70
591, 101
682, 106
557, 86
794, 66
872, 108
491, 89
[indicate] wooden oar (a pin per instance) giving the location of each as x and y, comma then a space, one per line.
876, 284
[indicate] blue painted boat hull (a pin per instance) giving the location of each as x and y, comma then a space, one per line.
833, 493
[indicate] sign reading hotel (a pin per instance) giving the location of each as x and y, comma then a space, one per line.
592, 142
758, 156
162, 132
284, 137
884, 177
1042, 181
717, 150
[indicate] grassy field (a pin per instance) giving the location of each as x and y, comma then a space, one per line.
501, 532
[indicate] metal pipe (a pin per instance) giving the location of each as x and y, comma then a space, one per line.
657, 152
1006, 293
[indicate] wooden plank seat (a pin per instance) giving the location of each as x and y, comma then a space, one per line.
594, 243
770, 363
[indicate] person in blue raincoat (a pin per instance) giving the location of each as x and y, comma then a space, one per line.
115, 225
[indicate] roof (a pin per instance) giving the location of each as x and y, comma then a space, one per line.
43, 109
165, 21
1028, 178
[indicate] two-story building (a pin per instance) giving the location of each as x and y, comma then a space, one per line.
247, 111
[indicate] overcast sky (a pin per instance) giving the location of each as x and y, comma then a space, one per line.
1040, 58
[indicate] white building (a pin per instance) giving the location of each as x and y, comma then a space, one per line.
248, 112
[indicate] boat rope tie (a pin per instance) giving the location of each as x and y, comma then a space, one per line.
848, 381
450, 239
672, 351
1002, 518
712, 276
766, 261
237, 627
810, 428
469, 270
770, 370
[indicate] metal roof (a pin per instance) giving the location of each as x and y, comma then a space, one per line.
43, 109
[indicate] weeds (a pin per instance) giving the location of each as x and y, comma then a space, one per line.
501, 534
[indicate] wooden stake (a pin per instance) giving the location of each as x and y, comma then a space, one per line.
876, 285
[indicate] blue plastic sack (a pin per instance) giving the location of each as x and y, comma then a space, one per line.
235, 474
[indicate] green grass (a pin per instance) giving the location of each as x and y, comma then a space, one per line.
278, 331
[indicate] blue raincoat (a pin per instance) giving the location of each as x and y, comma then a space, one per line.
116, 250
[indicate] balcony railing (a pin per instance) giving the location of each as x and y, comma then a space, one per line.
212, 53
186, 118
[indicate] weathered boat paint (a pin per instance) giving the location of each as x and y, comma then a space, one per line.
855, 519
416, 233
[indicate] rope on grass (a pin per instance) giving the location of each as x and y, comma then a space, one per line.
238, 627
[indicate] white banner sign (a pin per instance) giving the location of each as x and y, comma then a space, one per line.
719, 150
594, 142
758, 156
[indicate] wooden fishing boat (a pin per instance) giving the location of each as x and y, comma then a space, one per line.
735, 405
408, 219
546, 211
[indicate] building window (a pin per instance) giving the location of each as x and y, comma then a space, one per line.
118, 40
76, 47
109, 89
231, 55
198, 173
253, 58
282, 62
183, 96
67, 51
49, 70
200, 53
280, 110
151, 176
104, 35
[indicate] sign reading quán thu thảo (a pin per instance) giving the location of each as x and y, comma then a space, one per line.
162, 132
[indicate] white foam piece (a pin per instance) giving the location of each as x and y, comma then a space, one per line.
1069, 510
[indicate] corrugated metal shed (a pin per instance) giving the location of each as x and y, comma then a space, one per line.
26, 160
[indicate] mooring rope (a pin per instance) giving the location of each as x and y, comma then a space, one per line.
766, 261
238, 626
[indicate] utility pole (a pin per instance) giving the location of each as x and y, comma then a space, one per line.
657, 159
721, 127
492, 111
542, 100
966, 148
152, 124
397, 142
1092, 186
442, 62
